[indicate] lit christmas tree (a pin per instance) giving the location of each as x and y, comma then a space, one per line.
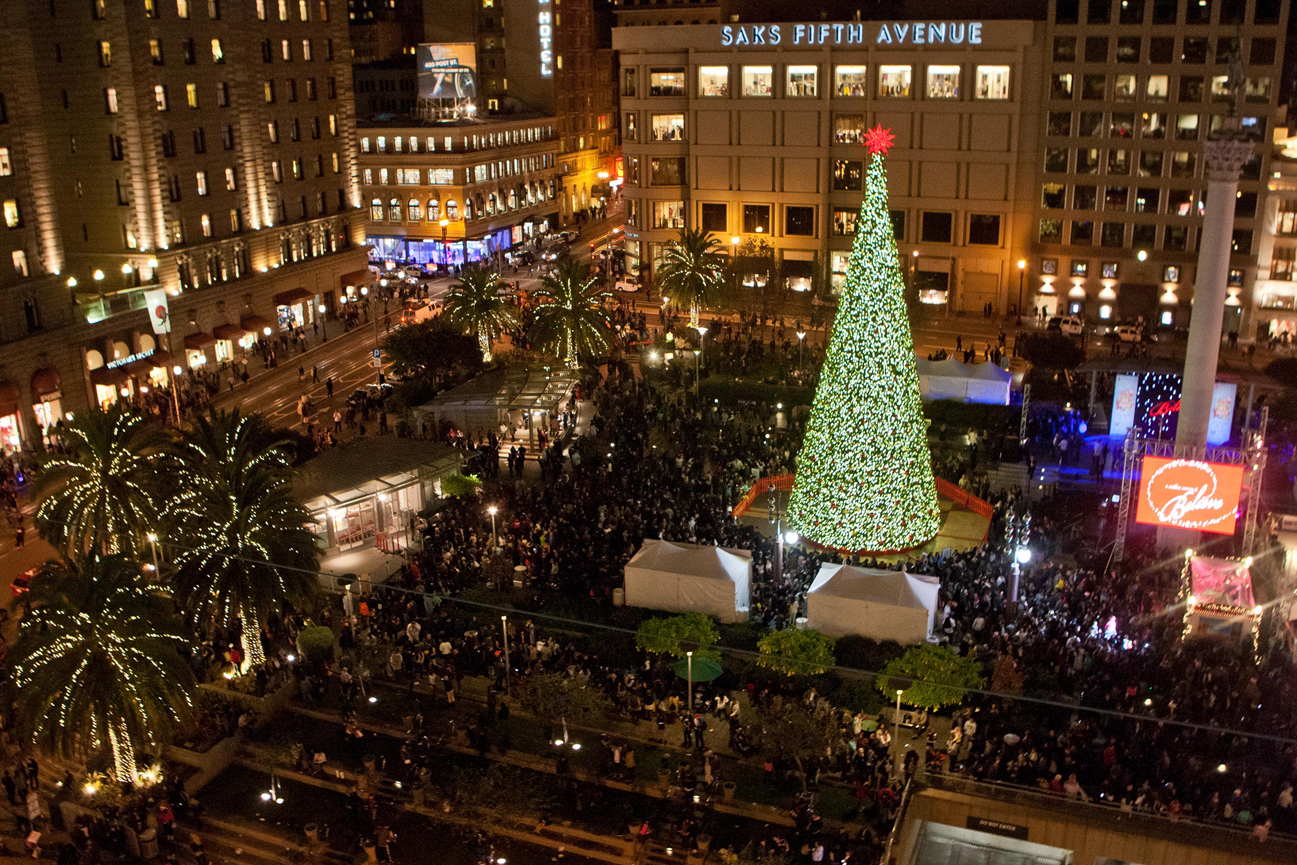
864, 475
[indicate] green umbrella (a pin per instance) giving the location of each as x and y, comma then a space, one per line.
705, 669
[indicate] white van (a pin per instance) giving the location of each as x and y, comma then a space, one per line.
1068, 324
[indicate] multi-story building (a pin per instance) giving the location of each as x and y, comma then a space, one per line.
514, 47
456, 192
1274, 296
586, 94
1131, 90
386, 87
1045, 163
384, 29
199, 146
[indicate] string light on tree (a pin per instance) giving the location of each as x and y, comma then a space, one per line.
864, 475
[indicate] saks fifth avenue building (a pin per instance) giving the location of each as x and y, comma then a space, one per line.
1033, 159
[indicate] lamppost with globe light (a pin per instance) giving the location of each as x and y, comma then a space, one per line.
1022, 274
324, 323
801, 341
698, 362
493, 510
445, 247
734, 262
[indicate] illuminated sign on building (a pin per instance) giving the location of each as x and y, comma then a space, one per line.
446, 71
1189, 494
852, 33
546, 39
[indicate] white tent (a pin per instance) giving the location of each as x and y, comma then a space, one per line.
686, 578
966, 382
881, 605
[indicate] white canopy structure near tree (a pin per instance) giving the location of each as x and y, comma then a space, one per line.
684, 578
880, 605
966, 382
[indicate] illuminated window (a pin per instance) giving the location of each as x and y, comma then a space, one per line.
105, 54
850, 81
230, 183
6, 167
182, 8
218, 53
802, 81
13, 217
110, 100
191, 95
758, 80
668, 127
160, 96
894, 81
943, 82
992, 82
206, 221
201, 178
714, 81
667, 82
376, 210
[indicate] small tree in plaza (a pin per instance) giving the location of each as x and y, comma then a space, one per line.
796, 652
936, 675
551, 695
678, 635
795, 732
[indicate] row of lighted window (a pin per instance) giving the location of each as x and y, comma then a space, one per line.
1161, 49
153, 8
1175, 238
1151, 163
1166, 11
488, 204
285, 50
410, 144
155, 51
446, 176
1146, 199
894, 81
1152, 125
1157, 88
799, 220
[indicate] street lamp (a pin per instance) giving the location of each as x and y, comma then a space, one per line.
324, 322
698, 362
1142, 255
801, 341
493, 510
504, 627
1022, 273
689, 670
153, 542
445, 248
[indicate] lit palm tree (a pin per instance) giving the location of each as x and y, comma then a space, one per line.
99, 496
475, 304
239, 540
570, 317
97, 663
691, 272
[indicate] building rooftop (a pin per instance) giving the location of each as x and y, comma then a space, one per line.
481, 122
363, 462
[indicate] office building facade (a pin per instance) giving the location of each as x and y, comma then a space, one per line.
1057, 160
461, 192
197, 146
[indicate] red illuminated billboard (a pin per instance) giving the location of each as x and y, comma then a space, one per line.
1189, 494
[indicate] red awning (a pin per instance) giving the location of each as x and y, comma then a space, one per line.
294, 295
254, 324
199, 341
106, 377
46, 381
228, 331
357, 278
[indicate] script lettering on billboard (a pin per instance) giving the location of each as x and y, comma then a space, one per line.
1189, 494
915, 33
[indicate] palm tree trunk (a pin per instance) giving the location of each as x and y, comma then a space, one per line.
572, 361
254, 655
484, 340
123, 755
694, 315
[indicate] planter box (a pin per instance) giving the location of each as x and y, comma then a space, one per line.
209, 763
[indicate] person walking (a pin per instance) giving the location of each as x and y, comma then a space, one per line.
328, 386
315, 375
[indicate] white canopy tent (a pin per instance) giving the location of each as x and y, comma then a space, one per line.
881, 605
686, 578
966, 382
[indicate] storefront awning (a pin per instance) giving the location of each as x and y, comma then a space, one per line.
8, 398
160, 358
46, 381
105, 377
356, 278
228, 331
254, 323
199, 341
293, 295
143, 367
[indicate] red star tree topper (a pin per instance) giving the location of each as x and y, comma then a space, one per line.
879, 140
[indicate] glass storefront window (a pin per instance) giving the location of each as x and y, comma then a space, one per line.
1158, 87
992, 82
943, 82
10, 438
668, 127
802, 81
894, 81
667, 82
224, 350
668, 214
850, 81
849, 128
758, 80
713, 81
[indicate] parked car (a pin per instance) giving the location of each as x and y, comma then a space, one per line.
627, 283
1068, 324
420, 310
22, 583
1128, 333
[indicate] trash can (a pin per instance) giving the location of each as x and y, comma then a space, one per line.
727, 791
149, 844
619, 597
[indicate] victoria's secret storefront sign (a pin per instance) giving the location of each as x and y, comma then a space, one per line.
854, 33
